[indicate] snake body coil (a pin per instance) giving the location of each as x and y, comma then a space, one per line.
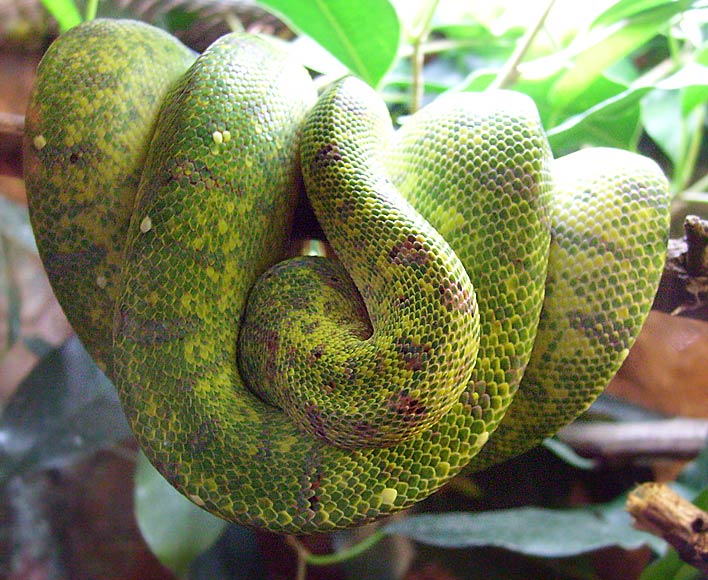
309, 394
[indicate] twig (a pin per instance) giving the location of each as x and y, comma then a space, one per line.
417, 85
697, 241
510, 71
418, 57
91, 9
301, 552
11, 124
675, 438
684, 282
305, 557
438, 45
659, 510
684, 173
346, 553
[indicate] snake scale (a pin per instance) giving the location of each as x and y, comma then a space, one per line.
306, 394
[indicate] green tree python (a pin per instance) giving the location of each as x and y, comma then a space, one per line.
306, 394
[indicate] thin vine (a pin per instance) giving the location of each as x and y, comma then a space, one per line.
420, 36
306, 558
510, 71
91, 10
685, 171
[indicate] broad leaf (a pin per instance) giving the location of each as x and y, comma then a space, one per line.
693, 480
414, 14
65, 12
664, 121
313, 56
670, 567
626, 9
697, 93
604, 47
693, 80
175, 529
364, 36
63, 411
611, 123
599, 94
533, 531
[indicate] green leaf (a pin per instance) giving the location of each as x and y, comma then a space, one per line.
611, 123
605, 47
631, 8
414, 14
694, 477
63, 411
533, 531
663, 120
364, 35
602, 90
313, 56
674, 114
692, 78
693, 74
65, 12
537, 89
697, 93
670, 567
175, 529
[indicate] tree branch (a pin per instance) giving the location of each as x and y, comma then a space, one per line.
510, 71
11, 124
684, 283
418, 57
660, 511
680, 438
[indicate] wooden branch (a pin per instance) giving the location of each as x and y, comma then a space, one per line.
12, 128
696, 243
684, 284
659, 510
510, 71
11, 124
673, 438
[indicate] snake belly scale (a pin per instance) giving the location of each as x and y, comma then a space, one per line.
308, 394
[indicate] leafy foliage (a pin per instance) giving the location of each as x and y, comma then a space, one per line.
191, 530
533, 531
624, 73
63, 411
65, 11
364, 36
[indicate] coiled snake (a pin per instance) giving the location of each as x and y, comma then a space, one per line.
162, 187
